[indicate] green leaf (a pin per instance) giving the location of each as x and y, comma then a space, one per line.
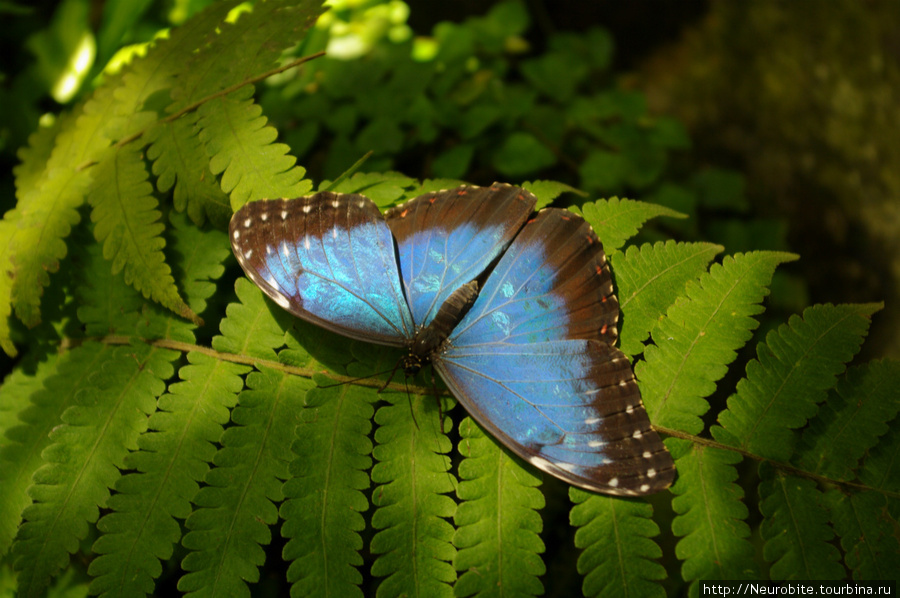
881, 469
106, 305
617, 220
497, 521
699, 337
83, 463
852, 420
241, 149
711, 516
412, 470
522, 154
322, 513
648, 280
180, 160
235, 509
254, 327
127, 223
38, 399
795, 368
864, 525
795, 530
619, 557
173, 458
547, 191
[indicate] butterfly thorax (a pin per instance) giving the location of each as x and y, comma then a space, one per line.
433, 338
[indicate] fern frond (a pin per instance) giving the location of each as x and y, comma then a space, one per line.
172, 460
881, 468
852, 420
618, 555
384, 188
699, 337
7, 231
241, 149
236, 507
106, 305
794, 370
648, 280
795, 530
180, 160
46, 214
497, 521
864, 525
254, 326
547, 191
617, 220
200, 257
25, 420
100, 427
711, 516
246, 48
322, 513
412, 469
33, 157
127, 223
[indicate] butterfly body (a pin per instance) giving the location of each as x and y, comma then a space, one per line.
515, 311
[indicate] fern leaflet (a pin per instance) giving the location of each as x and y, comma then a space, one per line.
25, 436
236, 507
852, 420
240, 148
649, 278
322, 513
617, 220
864, 525
618, 553
497, 523
711, 517
795, 367
412, 470
796, 532
699, 336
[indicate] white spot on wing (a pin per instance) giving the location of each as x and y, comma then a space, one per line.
307, 208
236, 235
637, 434
335, 204
248, 254
592, 421
281, 300
248, 222
651, 473
647, 455
285, 250
596, 444
645, 487
264, 216
540, 463
269, 250
284, 214
629, 410
613, 482
272, 282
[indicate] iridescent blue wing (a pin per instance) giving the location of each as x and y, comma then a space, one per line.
570, 408
447, 238
329, 259
533, 362
552, 284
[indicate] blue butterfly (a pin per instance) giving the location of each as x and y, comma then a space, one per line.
515, 310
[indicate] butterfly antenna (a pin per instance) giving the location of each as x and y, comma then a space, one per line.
361, 378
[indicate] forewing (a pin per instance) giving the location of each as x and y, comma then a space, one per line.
448, 238
553, 283
329, 259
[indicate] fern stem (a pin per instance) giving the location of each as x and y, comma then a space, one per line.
785, 467
223, 92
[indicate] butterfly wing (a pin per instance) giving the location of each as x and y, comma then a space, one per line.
329, 259
448, 238
533, 362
